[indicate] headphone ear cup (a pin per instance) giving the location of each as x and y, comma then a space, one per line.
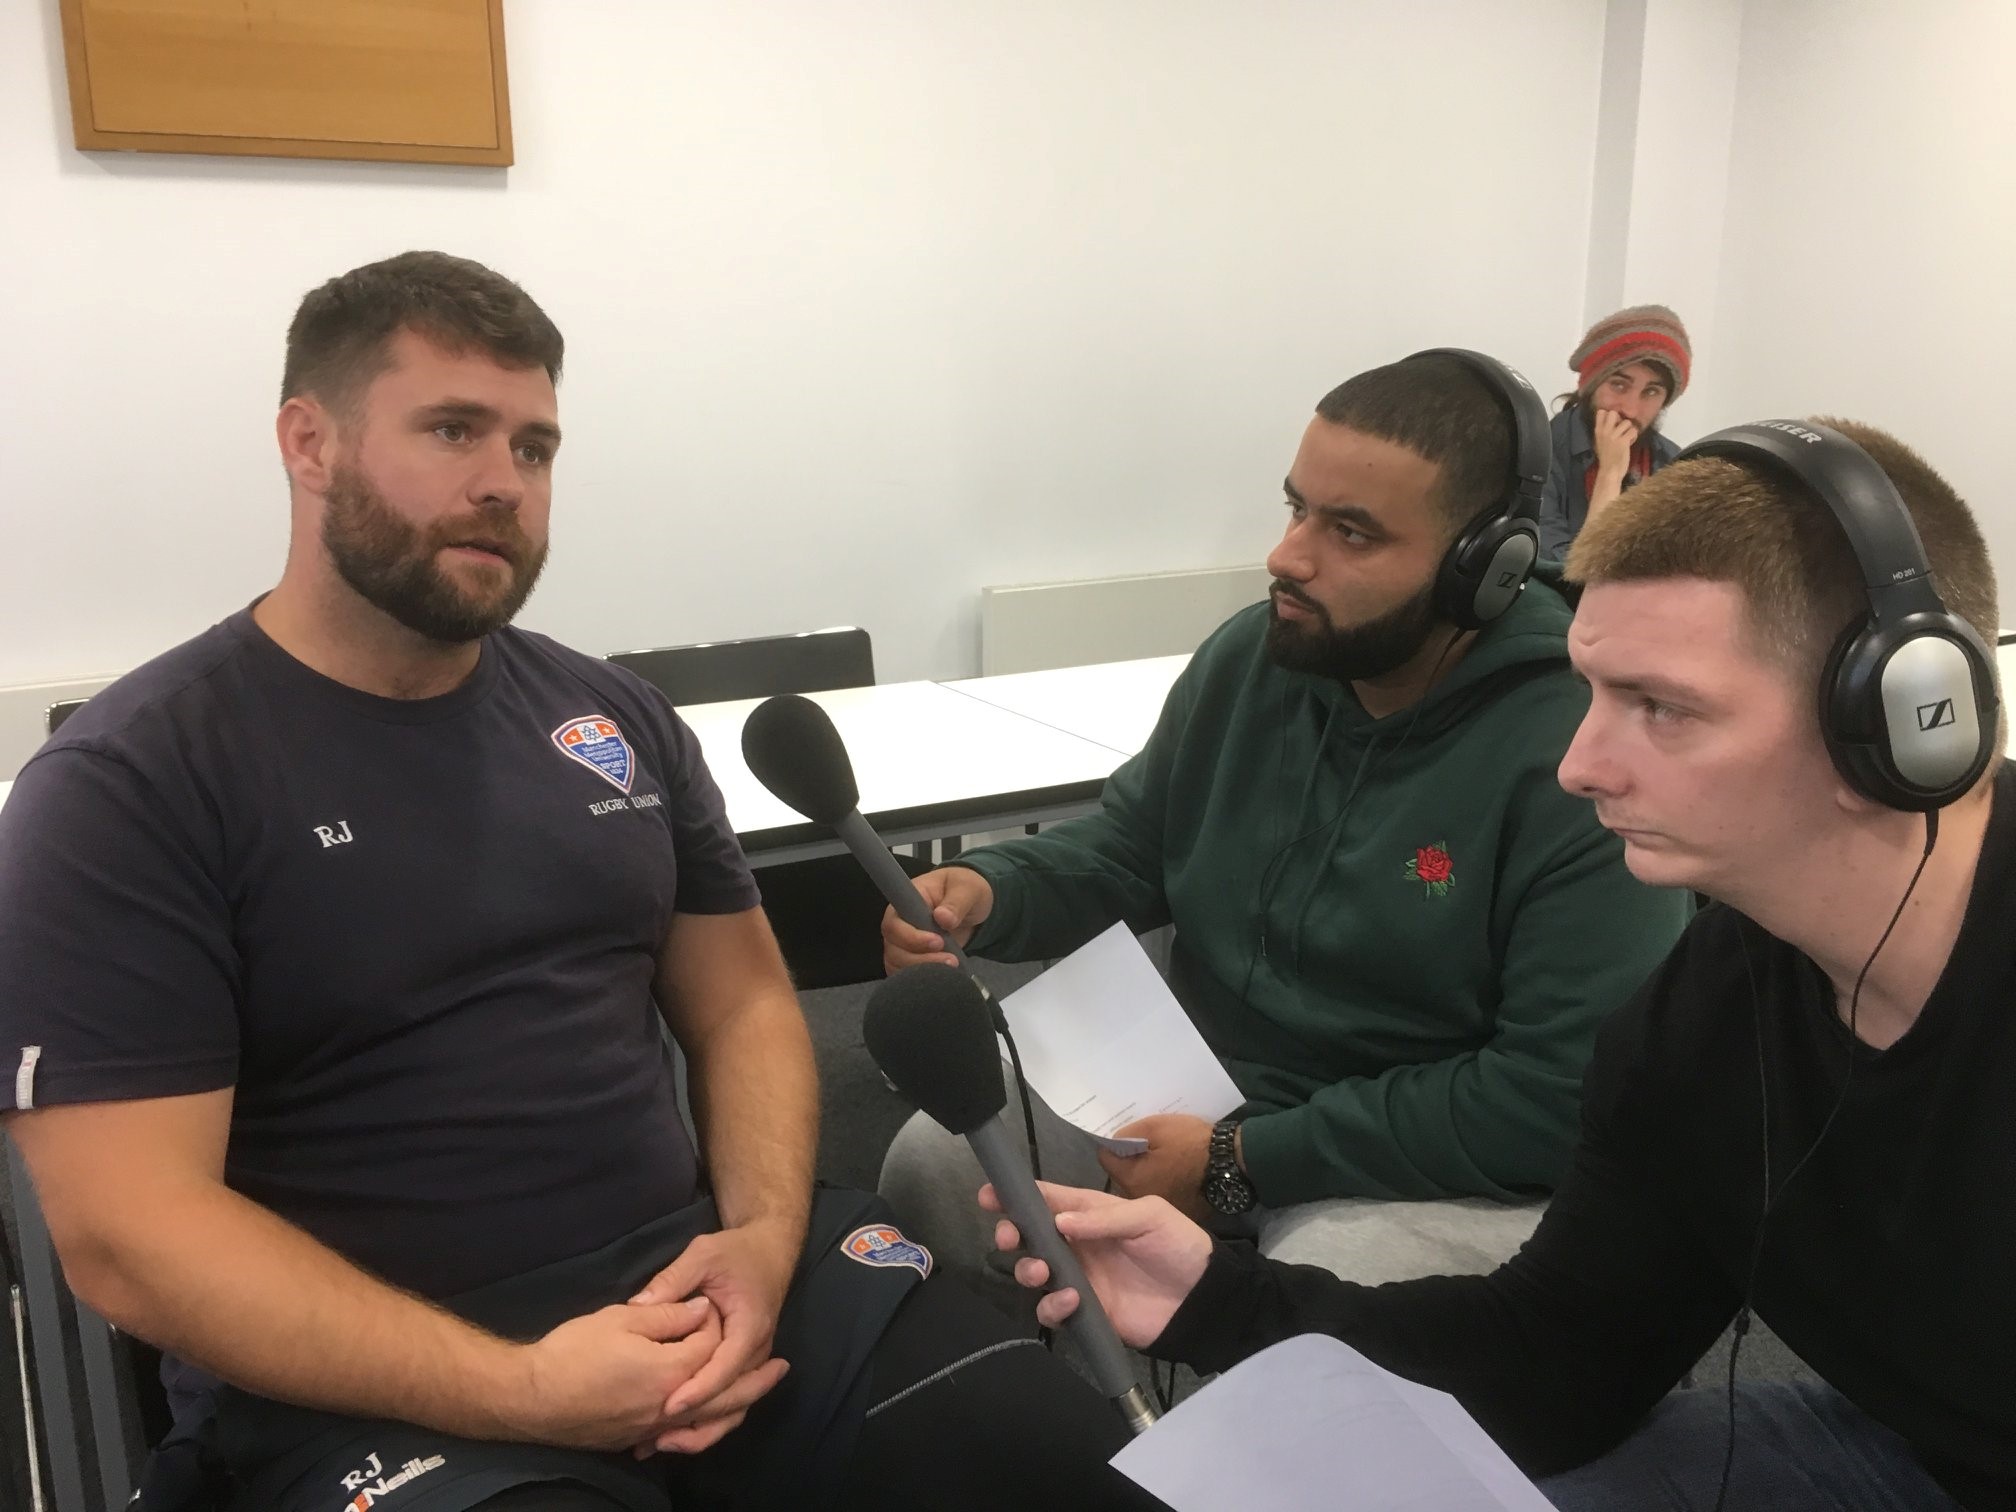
1940, 734
1851, 715
1482, 574
1904, 711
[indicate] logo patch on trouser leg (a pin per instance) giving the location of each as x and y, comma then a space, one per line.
879, 1244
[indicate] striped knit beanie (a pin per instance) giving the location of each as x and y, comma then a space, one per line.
1643, 333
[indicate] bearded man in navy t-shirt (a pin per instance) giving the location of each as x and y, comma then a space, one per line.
338, 947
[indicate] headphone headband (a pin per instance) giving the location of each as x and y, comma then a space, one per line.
1888, 552
1532, 445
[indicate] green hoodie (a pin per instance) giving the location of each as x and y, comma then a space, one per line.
1398, 934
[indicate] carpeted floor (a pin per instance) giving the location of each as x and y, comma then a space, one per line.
858, 1113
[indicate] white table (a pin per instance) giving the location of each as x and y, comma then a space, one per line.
1114, 704
933, 759
929, 762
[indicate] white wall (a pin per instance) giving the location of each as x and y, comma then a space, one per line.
1674, 229
1659, 217
1869, 266
867, 305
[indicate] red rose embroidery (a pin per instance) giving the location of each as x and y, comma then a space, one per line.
1433, 868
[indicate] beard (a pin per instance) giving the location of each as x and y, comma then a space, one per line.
1357, 653
390, 562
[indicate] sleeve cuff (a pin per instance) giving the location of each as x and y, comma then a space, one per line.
1000, 921
731, 898
1267, 1141
56, 1082
1206, 1329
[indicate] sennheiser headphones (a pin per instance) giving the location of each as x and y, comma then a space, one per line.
1907, 700
1482, 573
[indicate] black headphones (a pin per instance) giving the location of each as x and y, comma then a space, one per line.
1907, 701
1483, 572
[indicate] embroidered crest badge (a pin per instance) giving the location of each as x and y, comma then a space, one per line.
595, 742
879, 1244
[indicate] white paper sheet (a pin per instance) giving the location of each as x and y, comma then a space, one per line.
1312, 1424
1104, 1042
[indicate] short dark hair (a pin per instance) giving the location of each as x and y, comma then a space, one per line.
1439, 409
341, 335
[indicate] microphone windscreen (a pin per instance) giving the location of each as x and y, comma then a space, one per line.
790, 744
929, 1030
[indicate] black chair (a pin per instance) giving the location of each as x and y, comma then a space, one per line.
22, 1455
94, 1392
717, 671
826, 913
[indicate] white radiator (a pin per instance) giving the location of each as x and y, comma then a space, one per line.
1028, 627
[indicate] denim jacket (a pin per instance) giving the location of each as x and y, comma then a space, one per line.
1565, 503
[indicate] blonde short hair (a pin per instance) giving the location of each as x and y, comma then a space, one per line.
1712, 518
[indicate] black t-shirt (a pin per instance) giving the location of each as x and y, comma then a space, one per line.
417, 937
1887, 1265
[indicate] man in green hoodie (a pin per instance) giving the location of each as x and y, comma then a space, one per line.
1391, 924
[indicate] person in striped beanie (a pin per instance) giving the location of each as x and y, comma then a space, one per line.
1628, 367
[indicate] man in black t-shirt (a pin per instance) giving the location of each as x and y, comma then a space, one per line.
1807, 1109
337, 949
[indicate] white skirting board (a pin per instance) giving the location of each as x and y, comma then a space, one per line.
1029, 627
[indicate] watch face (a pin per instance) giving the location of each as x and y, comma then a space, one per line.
1228, 1193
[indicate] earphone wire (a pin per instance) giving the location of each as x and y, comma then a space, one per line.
1741, 1327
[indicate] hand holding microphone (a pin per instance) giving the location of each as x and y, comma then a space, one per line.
932, 1033
792, 748
958, 900
1142, 1256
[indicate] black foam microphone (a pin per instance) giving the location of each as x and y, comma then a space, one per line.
792, 748
931, 1032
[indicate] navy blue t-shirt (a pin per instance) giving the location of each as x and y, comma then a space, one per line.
418, 937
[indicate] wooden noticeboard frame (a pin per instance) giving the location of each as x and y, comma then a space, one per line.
415, 81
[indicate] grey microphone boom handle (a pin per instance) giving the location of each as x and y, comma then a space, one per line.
892, 881
1003, 1159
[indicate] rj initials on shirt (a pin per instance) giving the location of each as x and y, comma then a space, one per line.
210, 810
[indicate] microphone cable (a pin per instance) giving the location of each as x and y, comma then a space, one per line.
1044, 1336
1022, 1093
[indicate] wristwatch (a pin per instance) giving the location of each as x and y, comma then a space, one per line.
1226, 1188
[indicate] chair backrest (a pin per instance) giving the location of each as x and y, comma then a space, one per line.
62, 710
88, 1404
715, 671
